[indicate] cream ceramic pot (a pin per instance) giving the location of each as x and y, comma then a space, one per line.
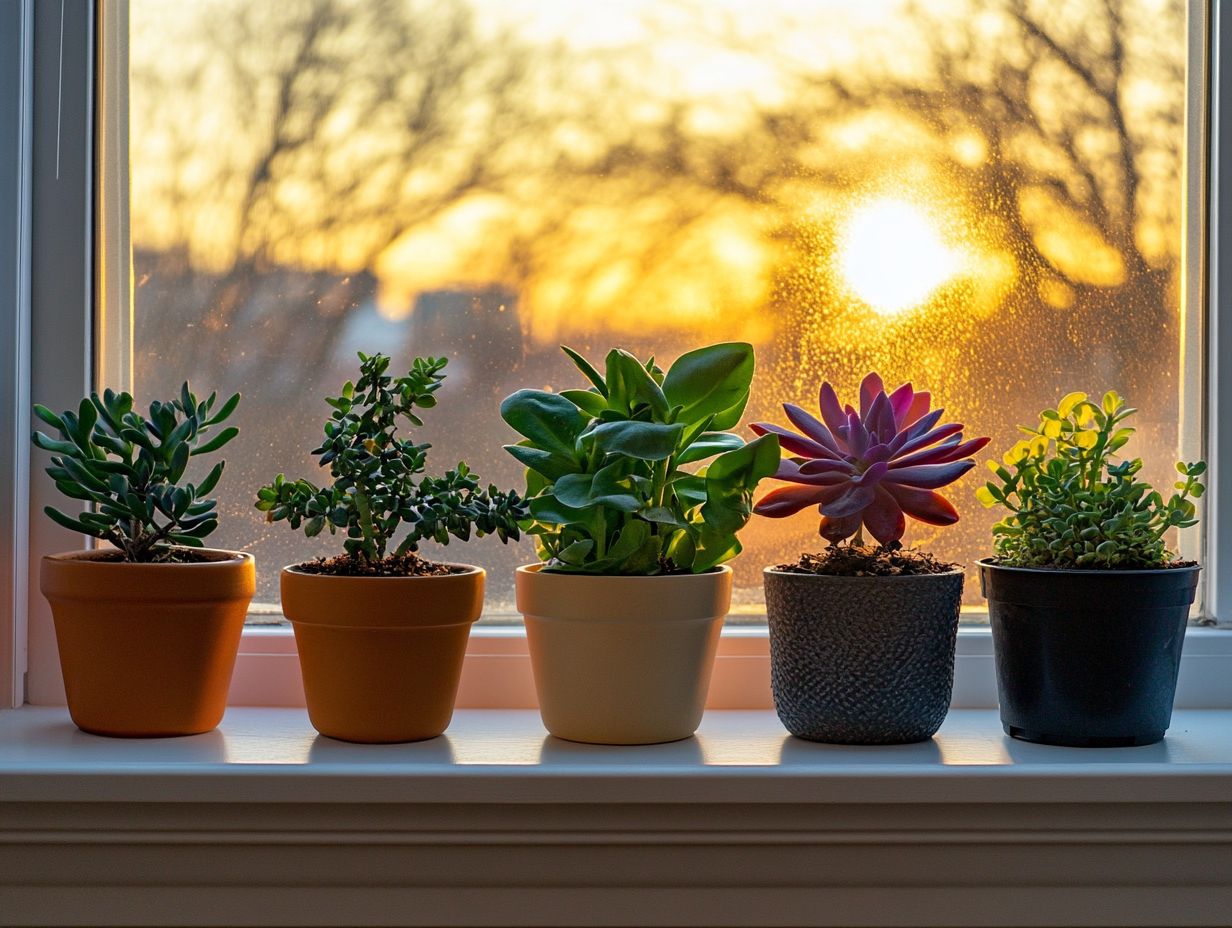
622, 660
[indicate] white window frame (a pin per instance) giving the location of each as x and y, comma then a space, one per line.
52, 346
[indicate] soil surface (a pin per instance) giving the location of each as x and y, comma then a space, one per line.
1095, 568
410, 565
868, 561
165, 556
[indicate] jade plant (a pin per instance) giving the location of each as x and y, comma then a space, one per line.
129, 468
613, 481
1072, 504
378, 487
869, 468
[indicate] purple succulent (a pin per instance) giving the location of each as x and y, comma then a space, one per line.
870, 467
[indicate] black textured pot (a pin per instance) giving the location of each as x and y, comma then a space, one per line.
862, 660
1087, 658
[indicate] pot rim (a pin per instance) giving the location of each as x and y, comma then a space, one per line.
986, 563
468, 570
537, 569
92, 557
893, 578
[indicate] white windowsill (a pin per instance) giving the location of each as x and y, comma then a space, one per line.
263, 822
274, 755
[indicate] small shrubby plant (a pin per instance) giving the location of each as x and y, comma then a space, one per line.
869, 468
612, 476
378, 487
1071, 506
129, 469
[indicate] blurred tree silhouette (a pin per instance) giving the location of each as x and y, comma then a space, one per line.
310, 135
295, 161
1061, 124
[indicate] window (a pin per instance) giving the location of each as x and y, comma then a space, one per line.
986, 198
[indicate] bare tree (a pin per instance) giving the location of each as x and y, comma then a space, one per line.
359, 121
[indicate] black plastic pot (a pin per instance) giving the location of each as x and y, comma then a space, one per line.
862, 660
1087, 658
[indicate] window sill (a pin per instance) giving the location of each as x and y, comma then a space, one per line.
263, 822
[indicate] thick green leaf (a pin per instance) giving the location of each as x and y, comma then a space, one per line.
576, 553
730, 481
72, 524
550, 465
574, 490
588, 401
714, 548
55, 446
550, 421
630, 384
76, 491
82, 473
224, 412
211, 479
547, 508
647, 441
615, 488
690, 488
748, 464
635, 550
587, 369
607, 488
661, 515
711, 381
681, 550
87, 415
709, 444
49, 417
137, 437
217, 441
178, 436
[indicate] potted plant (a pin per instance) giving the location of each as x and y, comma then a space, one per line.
862, 636
623, 615
148, 628
1088, 606
381, 631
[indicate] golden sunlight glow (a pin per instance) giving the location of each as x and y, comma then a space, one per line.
891, 255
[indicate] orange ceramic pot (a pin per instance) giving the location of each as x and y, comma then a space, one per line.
381, 656
147, 650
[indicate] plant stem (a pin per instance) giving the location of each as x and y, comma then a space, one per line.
365, 524
600, 532
659, 487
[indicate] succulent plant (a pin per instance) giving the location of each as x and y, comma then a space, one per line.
377, 489
612, 471
871, 467
1071, 506
129, 467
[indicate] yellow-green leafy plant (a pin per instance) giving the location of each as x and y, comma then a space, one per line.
1073, 504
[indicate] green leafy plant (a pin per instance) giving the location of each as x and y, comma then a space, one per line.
608, 476
129, 467
377, 489
1071, 506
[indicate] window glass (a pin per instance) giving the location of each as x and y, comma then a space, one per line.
983, 198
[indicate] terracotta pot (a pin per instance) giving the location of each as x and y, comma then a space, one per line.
622, 660
381, 656
862, 660
147, 650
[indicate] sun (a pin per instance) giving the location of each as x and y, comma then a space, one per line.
891, 255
